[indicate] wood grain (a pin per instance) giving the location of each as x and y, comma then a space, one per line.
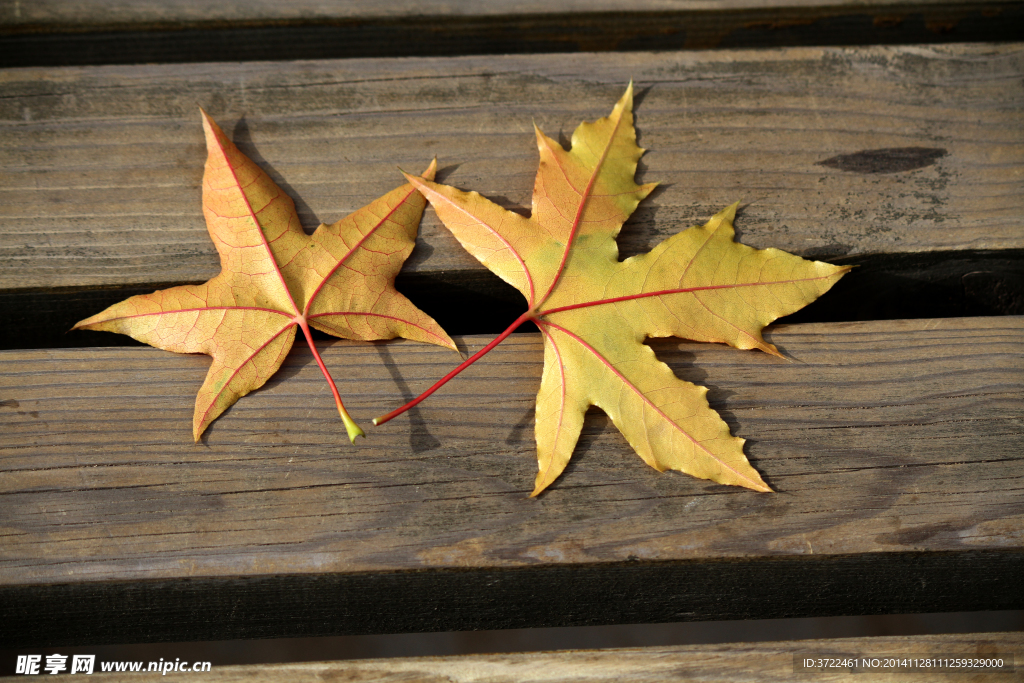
100, 167
732, 663
879, 437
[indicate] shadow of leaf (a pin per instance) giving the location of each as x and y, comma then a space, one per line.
517, 435
420, 438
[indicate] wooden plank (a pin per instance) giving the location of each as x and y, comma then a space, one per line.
893, 447
58, 32
101, 167
729, 662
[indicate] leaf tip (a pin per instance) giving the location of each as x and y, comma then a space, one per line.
729, 212
771, 350
625, 103
215, 137
201, 420
85, 323
449, 343
547, 476
422, 184
543, 141
207, 119
759, 484
431, 170
413, 180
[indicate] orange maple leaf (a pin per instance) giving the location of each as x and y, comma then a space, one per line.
274, 278
595, 311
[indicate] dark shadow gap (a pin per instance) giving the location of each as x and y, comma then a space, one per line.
538, 596
333, 38
281, 650
881, 287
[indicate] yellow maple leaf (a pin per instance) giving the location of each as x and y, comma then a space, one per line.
595, 311
275, 279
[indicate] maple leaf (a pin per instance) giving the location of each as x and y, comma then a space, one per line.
274, 278
595, 311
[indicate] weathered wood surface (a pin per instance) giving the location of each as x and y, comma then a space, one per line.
887, 442
732, 663
100, 168
59, 32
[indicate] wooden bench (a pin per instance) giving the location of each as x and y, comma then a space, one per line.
892, 435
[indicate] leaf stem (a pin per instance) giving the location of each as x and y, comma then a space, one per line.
350, 425
529, 315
